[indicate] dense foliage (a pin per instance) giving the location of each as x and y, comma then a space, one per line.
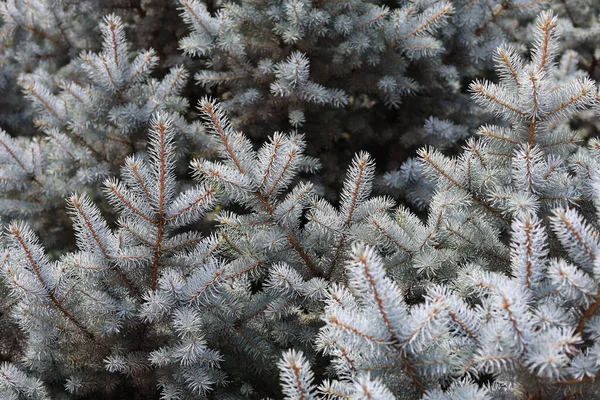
230, 235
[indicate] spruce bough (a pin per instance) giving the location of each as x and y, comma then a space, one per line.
197, 262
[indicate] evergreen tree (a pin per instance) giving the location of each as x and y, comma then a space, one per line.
218, 252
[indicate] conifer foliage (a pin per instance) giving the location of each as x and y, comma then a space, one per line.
269, 53
206, 264
89, 125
